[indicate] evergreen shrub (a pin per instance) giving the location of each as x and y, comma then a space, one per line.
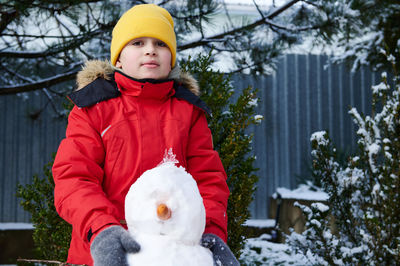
52, 234
228, 124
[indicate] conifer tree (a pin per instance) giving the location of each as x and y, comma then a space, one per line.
228, 123
360, 223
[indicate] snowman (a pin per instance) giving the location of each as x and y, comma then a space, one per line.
165, 214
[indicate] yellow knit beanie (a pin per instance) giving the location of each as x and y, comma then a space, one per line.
147, 20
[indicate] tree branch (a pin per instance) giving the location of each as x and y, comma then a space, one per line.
7, 18
248, 27
38, 84
292, 29
52, 50
46, 91
40, 36
49, 261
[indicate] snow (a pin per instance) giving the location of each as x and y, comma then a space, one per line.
16, 226
320, 206
373, 149
319, 136
260, 223
258, 118
378, 88
391, 59
268, 253
253, 103
303, 192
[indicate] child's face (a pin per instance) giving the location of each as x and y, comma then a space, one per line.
145, 57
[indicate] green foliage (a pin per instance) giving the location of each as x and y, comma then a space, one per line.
52, 234
228, 124
363, 29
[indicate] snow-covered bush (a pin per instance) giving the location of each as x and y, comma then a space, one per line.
360, 224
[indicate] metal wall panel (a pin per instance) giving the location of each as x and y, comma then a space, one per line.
304, 95
26, 145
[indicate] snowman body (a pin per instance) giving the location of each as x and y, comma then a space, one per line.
165, 214
162, 251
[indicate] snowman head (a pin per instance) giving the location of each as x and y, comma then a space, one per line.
165, 201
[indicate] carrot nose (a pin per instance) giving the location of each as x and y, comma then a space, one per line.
163, 212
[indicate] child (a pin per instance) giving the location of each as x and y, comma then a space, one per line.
124, 119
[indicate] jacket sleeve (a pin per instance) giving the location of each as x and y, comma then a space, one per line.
78, 174
205, 166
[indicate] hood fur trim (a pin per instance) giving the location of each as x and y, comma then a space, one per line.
94, 69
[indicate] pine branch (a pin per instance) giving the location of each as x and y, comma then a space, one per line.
12, 13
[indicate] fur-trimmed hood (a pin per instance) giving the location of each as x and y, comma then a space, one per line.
94, 69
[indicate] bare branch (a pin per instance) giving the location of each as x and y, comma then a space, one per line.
51, 101
40, 36
163, 2
64, 26
46, 91
258, 9
227, 14
38, 84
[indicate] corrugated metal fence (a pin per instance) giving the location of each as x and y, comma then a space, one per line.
30, 131
303, 96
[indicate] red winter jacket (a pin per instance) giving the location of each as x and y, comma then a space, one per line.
114, 135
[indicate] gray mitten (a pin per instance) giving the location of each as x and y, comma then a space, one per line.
111, 246
221, 253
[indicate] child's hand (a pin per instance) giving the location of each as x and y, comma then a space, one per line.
221, 253
111, 246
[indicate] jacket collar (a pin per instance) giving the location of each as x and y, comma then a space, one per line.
144, 88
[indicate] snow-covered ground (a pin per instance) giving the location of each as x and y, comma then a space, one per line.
260, 251
257, 251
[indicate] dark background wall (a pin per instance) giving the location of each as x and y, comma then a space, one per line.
304, 95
